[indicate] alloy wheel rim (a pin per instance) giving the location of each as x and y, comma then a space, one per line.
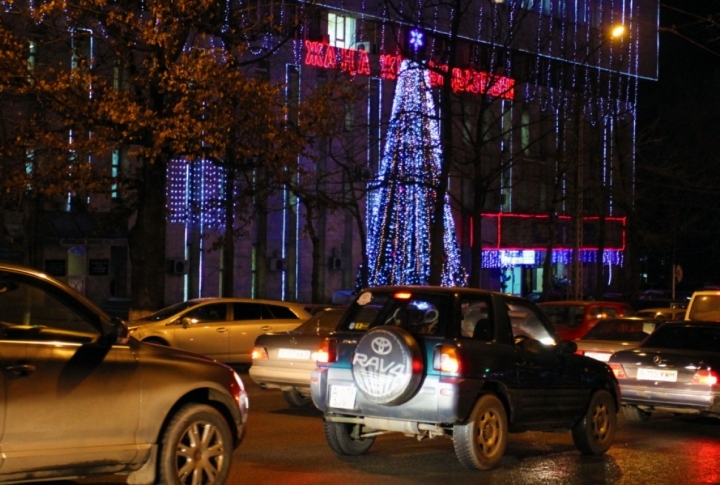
199, 455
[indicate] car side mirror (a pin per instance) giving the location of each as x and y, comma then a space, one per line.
568, 346
185, 322
118, 333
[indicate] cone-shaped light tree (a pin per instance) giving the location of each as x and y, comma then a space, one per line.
400, 198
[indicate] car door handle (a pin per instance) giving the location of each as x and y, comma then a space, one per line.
20, 370
221, 330
266, 328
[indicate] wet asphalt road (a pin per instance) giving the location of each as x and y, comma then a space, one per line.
286, 446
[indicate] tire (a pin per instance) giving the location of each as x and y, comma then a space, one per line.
480, 443
295, 399
635, 415
595, 432
387, 366
196, 447
338, 436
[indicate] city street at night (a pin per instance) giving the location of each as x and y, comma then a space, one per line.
286, 446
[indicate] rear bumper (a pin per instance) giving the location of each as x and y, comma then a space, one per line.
703, 401
278, 378
439, 400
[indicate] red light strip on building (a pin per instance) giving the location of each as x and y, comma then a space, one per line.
354, 61
500, 216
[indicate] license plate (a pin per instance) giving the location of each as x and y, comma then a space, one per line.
657, 375
294, 354
342, 397
602, 356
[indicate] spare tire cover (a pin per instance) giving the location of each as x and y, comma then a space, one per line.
387, 366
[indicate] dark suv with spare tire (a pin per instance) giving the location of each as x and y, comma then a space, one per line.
466, 364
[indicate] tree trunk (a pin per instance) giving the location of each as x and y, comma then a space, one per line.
147, 241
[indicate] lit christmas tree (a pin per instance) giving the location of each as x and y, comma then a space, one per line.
400, 200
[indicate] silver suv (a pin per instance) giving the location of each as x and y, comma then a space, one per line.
79, 397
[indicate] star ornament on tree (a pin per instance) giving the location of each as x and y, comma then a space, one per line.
416, 39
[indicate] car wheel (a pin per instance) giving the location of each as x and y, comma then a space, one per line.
635, 414
595, 432
387, 365
196, 447
295, 399
340, 438
480, 443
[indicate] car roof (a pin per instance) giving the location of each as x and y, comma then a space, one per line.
583, 303
211, 299
435, 289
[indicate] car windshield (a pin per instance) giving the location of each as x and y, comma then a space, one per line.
168, 312
324, 321
685, 337
620, 330
705, 308
564, 315
417, 313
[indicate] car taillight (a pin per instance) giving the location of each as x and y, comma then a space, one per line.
446, 359
579, 352
327, 352
618, 371
705, 377
259, 353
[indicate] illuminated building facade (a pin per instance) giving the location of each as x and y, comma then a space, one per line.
544, 102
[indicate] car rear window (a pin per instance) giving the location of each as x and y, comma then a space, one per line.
618, 330
282, 312
564, 315
324, 321
682, 337
421, 314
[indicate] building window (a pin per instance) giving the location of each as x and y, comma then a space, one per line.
341, 31
32, 56
115, 173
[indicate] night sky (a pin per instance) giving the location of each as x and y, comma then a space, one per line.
678, 180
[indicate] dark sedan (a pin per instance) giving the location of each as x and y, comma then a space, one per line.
675, 369
285, 360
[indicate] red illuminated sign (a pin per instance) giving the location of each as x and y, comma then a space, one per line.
355, 61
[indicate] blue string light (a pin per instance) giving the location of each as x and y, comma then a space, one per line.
400, 201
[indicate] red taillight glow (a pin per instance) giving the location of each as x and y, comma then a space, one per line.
618, 371
580, 352
446, 359
705, 378
259, 353
327, 352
